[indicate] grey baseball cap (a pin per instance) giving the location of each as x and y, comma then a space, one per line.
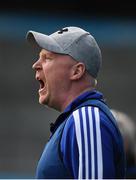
73, 41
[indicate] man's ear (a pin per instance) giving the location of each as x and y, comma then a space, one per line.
77, 71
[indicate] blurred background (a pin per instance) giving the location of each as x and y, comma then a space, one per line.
24, 124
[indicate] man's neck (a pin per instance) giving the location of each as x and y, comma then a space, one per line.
71, 96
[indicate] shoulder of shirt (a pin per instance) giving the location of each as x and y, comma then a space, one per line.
103, 119
105, 124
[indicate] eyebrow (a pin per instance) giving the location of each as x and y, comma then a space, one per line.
47, 54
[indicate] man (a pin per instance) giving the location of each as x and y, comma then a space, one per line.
85, 141
127, 127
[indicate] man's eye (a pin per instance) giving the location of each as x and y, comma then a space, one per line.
48, 59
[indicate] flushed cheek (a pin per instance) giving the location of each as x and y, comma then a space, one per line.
55, 80
59, 85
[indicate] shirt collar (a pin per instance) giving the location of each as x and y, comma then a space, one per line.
86, 95
75, 103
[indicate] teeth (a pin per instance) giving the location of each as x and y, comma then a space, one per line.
41, 82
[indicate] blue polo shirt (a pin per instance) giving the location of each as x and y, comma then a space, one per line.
90, 145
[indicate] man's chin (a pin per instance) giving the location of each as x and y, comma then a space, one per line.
42, 101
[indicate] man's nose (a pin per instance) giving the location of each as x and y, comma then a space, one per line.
36, 65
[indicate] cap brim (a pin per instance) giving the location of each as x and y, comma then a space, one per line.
43, 41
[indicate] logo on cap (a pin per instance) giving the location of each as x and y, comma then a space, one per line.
62, 30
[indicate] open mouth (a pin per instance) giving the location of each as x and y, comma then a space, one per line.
42, 85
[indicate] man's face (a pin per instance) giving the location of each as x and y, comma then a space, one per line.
53, 73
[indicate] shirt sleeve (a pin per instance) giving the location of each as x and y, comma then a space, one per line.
87, 145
